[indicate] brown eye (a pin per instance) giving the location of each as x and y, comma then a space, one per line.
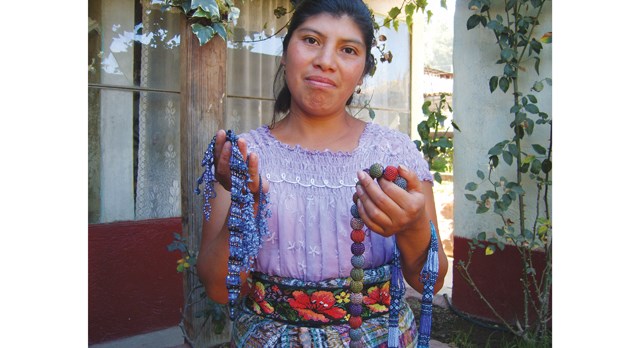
310, 40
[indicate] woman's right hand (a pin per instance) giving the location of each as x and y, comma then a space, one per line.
222, 159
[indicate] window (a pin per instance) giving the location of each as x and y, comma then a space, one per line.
134, 111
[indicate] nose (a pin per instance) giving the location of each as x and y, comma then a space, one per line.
325, 59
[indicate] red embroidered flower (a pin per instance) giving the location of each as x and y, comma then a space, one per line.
316, 306
259, 304
378, 299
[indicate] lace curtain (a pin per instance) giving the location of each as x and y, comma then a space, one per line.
158, 179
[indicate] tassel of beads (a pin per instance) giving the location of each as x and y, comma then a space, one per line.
428, 276
397, 292
245, 230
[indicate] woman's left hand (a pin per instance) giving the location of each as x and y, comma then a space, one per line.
386, 208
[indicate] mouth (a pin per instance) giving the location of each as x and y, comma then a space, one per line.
320, 81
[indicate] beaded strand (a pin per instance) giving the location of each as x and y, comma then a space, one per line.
245, 230
429, 273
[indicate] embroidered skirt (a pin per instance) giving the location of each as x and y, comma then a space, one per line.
287, 312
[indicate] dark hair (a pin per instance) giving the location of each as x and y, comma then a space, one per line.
355, 9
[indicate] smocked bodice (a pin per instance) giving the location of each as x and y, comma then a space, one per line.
311, 196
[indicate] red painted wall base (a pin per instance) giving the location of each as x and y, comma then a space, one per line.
133, 284
498, 278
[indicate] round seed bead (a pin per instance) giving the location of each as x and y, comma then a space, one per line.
357, 248
357, 223
357, 261
354, 211
357, 274
355, 335
355, 197
355, 309
400, 181
390, 173
355, 322
357, 236
375, 171
356, 286
356, 298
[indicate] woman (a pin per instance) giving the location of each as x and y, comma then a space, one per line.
309, 162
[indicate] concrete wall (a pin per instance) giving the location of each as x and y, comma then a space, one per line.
484, 117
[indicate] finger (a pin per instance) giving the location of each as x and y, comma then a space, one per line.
413, 182
223, 172
376, 196
372, 215
368, 221
242, 146
221, 138
254, 176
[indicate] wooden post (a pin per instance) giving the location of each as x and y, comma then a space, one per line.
202, 88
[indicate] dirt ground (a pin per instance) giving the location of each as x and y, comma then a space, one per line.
457, 331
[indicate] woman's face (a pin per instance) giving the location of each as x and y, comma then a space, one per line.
324, 63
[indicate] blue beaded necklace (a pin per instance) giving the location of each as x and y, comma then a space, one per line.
245, 230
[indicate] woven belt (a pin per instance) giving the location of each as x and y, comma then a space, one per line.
326, 302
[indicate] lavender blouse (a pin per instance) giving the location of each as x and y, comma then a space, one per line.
311, 197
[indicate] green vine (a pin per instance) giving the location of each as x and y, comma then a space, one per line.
208, 18
530, 166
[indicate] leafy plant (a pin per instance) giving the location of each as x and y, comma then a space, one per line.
435, 143
215, 312
528, 165
208, 18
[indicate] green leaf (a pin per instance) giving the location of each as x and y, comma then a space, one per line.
532, 108
409, 9
537, 86
203, 33
220, 30
494, 160
480, 174
489, 250
472, 186
513, 149
496, 150
493, 83
394, 12
470, 197
437, 177
482, 236
504, 84
507, 53
500, 232
209, 6
372, 114
423, 131
501, 245
536, 166
546, 166
507, 157
473, 21
481, 209
539, 149
528, 159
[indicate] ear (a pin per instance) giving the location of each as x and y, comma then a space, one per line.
283, 60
